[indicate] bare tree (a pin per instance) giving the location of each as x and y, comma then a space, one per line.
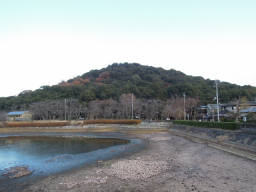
177, 108
57, 109
125, 101
94, 110
152, 109
167, 109
191, 104
3, 116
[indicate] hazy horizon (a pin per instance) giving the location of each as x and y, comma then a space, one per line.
46, 42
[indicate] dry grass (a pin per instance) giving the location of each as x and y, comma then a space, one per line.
65, 123
37, 124
112, 121
40, 130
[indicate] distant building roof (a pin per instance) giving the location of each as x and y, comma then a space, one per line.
229, 104
249, 110
252, 103
13, 113
213, 106
202, 107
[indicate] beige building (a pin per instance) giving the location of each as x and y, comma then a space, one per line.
19, 116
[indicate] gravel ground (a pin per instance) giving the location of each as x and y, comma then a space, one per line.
169, 163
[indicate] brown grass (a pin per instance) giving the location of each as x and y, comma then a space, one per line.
65, 123
79, 130
37, 124
112, 121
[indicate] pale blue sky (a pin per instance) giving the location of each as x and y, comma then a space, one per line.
168, 16
65, 38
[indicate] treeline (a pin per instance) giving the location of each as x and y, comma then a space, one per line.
146, 83
152, 109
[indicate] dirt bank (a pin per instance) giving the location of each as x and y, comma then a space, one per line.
169, 163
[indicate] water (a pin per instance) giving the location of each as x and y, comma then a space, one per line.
45, 155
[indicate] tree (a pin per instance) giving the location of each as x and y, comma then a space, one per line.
3, 116
87, 96
143, 81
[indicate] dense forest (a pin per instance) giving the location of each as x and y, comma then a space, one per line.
145, 82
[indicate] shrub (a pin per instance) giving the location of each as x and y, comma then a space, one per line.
251, 121
221, 125
251, 117
111, 121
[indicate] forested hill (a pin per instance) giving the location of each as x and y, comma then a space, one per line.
144, 81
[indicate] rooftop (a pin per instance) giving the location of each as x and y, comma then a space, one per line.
249, 110
13, 113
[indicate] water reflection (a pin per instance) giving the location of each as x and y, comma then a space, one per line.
48, 154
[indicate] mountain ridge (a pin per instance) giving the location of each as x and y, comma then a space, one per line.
145, 82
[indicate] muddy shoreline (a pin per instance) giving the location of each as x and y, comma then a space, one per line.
168, 163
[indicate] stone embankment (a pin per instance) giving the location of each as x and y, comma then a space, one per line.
241, 142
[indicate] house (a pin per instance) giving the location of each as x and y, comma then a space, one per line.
201, 112
243, 107
249, 110
19, 116
229, 107
212, 111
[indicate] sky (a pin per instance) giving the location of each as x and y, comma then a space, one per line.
44, 42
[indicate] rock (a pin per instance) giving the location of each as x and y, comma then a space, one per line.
136, 169
17, 172
222, 138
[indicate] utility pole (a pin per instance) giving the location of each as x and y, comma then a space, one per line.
65, 109
238, 105
217, 98
69, 117
184, 95
132, 105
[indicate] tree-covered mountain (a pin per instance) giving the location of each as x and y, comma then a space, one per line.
143, 81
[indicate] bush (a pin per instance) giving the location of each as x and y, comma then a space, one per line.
37, 124
111, 121
221, 125
251, 117
251, 121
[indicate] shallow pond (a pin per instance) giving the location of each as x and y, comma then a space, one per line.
48, 154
